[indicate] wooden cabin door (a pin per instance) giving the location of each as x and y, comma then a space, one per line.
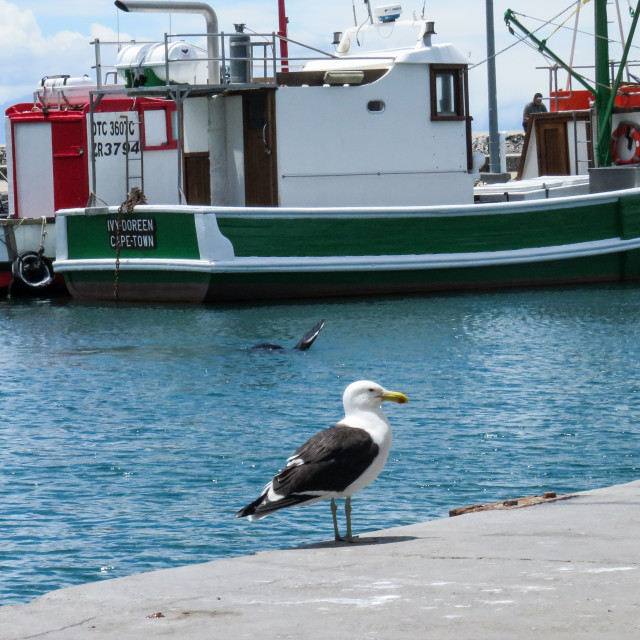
260, 178
553, 148
197, 182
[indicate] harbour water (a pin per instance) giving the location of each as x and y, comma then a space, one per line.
130, 435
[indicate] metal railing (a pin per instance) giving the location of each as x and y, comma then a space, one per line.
262, 60
553, 70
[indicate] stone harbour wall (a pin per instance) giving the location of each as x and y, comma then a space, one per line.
514, 143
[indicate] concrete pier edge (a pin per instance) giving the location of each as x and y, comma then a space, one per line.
565, 569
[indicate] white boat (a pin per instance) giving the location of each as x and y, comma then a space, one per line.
351, 175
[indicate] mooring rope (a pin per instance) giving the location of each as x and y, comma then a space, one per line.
134, 198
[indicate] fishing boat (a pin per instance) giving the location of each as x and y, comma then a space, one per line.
352, 174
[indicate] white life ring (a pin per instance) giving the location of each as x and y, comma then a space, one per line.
625, 144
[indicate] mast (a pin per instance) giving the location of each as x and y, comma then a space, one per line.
283, 21
603, 83
494, 142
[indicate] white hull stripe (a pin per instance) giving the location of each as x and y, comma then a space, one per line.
357, 263
435, 211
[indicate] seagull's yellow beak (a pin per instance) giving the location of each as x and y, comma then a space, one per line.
394, 396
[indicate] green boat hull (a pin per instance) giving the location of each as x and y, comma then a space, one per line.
195, 254
157, 286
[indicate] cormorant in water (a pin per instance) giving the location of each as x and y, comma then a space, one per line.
305, 342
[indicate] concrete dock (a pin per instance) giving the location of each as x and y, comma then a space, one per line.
567, 569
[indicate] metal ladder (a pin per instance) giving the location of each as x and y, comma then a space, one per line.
588, 142
134, 164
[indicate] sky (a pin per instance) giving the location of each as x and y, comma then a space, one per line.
48, 37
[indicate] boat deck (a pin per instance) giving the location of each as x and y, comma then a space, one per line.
532, 189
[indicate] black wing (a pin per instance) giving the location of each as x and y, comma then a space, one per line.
331, 461
308, 338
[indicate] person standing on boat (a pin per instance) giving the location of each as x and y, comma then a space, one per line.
535, 106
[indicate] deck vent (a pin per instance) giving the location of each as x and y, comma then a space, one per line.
430, 30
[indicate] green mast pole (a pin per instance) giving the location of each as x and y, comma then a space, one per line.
603, 85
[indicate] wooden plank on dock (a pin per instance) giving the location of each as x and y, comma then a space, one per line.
517, 503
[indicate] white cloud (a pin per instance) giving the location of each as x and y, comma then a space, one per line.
28, 54
14, 23
66, 10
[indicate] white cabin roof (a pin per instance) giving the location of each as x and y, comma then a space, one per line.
380, 45
377, 37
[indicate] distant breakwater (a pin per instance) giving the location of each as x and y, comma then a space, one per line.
514, 143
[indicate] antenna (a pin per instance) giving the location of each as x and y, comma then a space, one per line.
369, 10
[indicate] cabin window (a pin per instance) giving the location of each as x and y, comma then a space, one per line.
158, 127
155, 128
447, 101
376, 106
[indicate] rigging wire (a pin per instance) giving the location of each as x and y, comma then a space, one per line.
573, 42
624, 44
523, 38
580, 31
495, 55
552, 63
551, 22
576, 10
360, 27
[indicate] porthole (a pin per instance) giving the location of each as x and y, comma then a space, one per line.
376, 106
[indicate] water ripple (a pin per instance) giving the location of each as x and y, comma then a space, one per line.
129, 436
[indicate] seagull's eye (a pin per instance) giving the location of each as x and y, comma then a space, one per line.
371, 390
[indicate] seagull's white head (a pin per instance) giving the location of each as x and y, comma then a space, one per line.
365, 395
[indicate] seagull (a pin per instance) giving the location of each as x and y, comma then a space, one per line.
336, 462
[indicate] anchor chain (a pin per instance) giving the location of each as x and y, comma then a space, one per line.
134, 197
